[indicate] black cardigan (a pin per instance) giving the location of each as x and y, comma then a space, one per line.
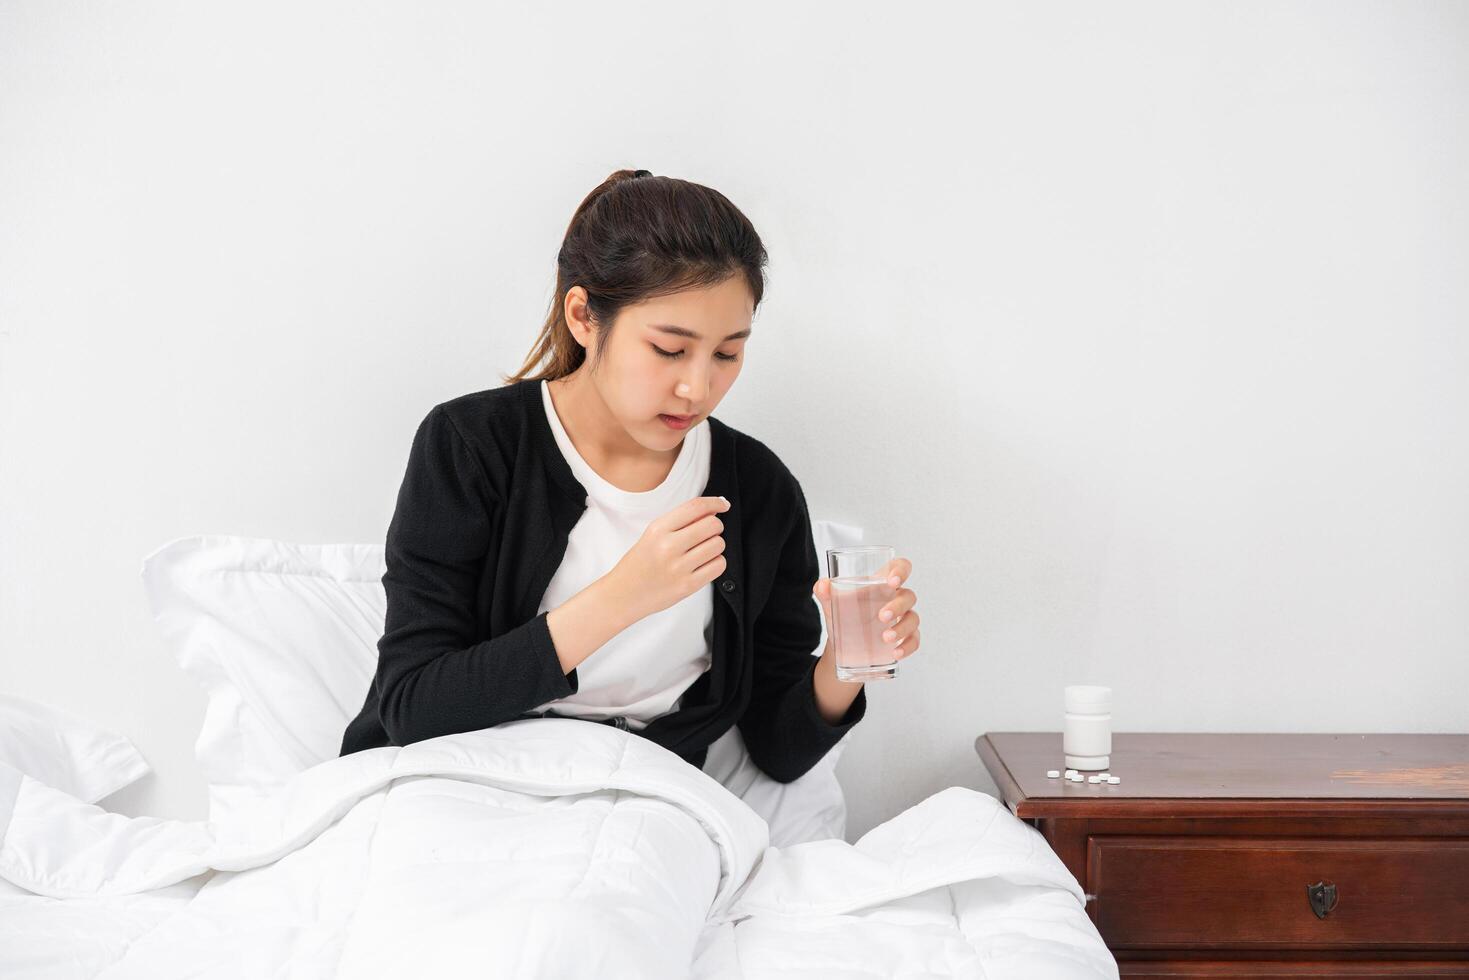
481, 524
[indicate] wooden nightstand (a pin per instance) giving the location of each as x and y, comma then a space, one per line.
1260, 855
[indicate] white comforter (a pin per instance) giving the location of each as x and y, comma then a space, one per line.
541, 848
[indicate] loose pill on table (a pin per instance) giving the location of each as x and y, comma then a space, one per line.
1052, 773
1094, 779
1114, 779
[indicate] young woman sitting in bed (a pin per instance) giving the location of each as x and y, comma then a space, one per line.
589, 541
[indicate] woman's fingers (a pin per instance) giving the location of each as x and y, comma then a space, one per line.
898, 571
903, 629
894, 608
908, 647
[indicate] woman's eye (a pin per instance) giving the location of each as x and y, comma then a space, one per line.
668, 353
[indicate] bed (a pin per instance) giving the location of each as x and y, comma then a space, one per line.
546, 847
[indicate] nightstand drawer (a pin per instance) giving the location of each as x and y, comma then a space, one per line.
1252, 892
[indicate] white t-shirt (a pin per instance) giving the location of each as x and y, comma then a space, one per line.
642, 672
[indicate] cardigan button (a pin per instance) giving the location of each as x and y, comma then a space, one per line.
728, 585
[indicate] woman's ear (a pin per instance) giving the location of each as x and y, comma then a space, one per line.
575, 312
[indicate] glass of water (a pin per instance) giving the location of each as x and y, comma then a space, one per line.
859, 590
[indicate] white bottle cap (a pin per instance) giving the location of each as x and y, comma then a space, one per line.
1088, 698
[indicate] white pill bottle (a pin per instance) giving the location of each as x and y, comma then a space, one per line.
1086, 738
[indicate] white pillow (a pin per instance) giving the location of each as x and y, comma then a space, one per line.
65, 752
283, 639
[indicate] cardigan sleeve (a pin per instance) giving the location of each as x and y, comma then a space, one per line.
784, 732
433, 676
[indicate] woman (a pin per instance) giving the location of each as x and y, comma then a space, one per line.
555, 538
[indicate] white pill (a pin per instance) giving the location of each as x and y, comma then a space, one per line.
1075, 777
1094, 779
1052, 773
1114, 779
1070, 773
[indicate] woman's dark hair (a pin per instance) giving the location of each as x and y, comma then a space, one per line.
637, 236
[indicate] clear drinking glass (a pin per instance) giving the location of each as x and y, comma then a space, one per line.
859, 590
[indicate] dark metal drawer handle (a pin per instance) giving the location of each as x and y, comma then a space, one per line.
1322, 898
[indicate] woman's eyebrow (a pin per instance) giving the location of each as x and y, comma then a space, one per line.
686, 332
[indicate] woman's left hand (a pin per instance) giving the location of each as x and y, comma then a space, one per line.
898, 612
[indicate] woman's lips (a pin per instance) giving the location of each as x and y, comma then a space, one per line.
676, 421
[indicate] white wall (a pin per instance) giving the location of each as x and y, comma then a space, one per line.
1143, 326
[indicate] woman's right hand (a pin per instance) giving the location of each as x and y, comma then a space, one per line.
678, 554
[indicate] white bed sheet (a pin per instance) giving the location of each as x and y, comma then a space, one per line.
542, 848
